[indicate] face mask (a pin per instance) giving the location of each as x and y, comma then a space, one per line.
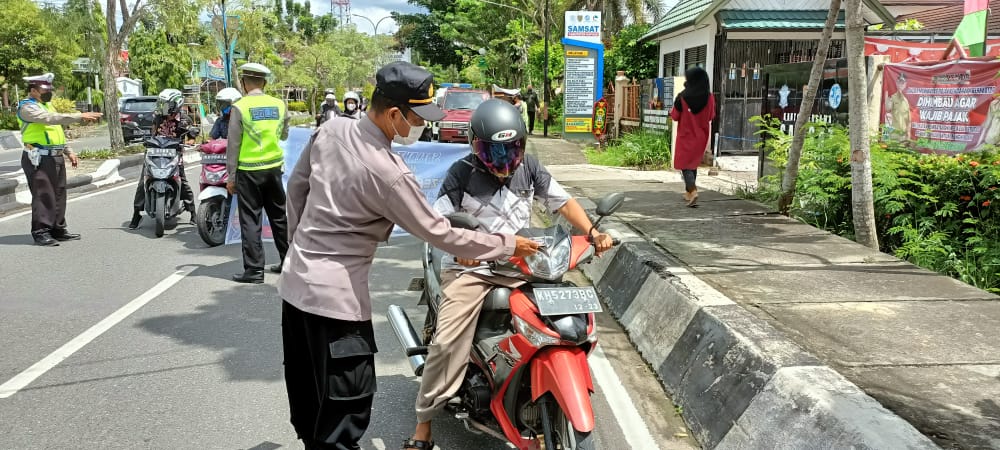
46, 97
351, 106
412, 137
226, 110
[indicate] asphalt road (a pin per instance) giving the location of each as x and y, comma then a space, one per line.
138, 342
10, 160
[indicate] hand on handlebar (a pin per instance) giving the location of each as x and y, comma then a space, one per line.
602, 242
525, 247
467, 262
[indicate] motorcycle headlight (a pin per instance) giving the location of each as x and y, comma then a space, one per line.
550, 263
215, 177
162, 167
535, 336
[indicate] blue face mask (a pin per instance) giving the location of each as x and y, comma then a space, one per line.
226, 109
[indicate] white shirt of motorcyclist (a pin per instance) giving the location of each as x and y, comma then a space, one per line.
508, 209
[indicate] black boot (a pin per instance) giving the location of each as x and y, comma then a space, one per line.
136, 218
194, 215
252, 276
276, 268
45, 240
63, 235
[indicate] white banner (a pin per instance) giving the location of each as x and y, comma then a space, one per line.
429, 162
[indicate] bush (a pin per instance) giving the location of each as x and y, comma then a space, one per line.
646, 150
8, 121
936, 211
64, 105
298, 106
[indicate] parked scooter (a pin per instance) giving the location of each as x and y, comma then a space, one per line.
528, 381
162, 180
213, 198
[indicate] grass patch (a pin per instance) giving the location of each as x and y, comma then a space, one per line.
106, 153
644, 150
301, 120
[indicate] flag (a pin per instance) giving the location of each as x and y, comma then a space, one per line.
971, 32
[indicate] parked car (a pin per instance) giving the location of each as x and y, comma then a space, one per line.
137, 115
458, 105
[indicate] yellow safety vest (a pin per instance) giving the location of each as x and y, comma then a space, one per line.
37, 133
262, 117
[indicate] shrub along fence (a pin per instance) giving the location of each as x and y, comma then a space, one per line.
936, 211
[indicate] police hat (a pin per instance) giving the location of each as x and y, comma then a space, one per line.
254, 70
409, 85
40, 81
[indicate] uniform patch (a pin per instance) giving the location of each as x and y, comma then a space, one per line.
264, 113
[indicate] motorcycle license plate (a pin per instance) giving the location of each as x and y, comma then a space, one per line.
567, 300
158, 152
461, 133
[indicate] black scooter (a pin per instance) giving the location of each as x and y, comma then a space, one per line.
162, 180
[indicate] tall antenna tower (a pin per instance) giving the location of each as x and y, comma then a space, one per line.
343, 11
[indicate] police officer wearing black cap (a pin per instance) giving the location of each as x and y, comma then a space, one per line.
356, 188
43, 159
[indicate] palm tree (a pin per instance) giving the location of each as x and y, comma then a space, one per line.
616, 14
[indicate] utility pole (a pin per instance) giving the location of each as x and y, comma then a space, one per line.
225, 40
545, 70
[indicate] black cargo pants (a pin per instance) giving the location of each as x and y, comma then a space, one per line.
329, 376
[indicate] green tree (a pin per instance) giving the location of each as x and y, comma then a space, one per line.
637, 59
28, 44
160, 59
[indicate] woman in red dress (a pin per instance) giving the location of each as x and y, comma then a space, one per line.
693, 112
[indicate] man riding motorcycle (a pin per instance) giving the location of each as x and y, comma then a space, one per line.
497, 184
224, 100
169, 122
352, 105
328, 109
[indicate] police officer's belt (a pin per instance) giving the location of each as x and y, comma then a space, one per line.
54, 150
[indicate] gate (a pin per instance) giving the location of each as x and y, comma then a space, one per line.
741, 87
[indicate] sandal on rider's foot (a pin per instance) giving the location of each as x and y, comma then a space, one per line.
418, 445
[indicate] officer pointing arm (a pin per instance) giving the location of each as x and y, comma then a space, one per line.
42, 161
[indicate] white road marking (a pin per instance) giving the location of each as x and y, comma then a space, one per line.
32, 373
11, 161
632, 424
83, 197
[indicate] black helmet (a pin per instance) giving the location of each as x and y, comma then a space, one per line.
498, 136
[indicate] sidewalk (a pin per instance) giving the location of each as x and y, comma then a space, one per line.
925, 346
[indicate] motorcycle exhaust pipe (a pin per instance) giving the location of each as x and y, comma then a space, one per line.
408, 338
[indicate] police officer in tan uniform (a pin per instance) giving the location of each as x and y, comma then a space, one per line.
44, 161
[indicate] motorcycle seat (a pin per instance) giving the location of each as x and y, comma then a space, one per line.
497, 300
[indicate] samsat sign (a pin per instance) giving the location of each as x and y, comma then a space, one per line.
583, 26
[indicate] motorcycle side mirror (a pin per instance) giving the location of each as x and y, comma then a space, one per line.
463, 220
610, 203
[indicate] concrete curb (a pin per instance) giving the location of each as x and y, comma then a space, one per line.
14, 192
741, 382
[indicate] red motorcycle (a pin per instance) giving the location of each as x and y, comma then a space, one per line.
528, 381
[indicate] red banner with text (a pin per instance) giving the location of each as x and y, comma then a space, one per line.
947, 107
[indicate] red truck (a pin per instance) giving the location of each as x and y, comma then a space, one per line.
458, 105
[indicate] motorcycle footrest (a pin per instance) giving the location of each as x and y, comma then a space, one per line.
416, 351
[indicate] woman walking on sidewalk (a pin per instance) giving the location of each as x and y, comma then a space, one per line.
694, 110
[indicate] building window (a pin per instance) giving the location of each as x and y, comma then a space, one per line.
672, 64
695, 56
